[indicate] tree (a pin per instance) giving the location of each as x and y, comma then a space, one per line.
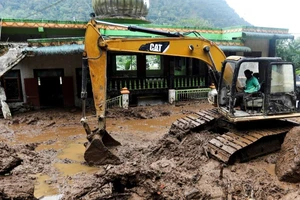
289, 50
189, 13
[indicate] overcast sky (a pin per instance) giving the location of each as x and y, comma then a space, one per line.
269, 13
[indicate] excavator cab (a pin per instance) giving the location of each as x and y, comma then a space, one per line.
276, 98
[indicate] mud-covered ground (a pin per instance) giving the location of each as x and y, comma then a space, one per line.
42, 155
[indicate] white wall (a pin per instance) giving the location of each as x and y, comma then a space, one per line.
67, 62
261, 45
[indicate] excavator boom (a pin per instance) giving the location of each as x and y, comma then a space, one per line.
96, 48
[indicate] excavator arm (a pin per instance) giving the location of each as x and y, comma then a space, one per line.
95, 59
96, 48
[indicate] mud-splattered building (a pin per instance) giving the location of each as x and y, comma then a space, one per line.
49, 72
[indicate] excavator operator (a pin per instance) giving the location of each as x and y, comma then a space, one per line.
252, 85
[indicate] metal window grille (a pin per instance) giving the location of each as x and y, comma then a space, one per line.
191, 94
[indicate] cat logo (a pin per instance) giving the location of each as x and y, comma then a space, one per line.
159, 47
155, 47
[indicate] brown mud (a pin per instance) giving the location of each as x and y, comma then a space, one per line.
288, 162
42, 155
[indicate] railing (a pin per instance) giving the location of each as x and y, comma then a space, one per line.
114, 102
191, 94
180, 95
155, 83
137, 83
189, 82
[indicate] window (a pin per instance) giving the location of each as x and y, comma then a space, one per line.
252, 66
12, 86
126, 62
282, 78
179, 64
153, 62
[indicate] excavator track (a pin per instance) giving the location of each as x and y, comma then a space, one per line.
193, 121
238, 143
243, 145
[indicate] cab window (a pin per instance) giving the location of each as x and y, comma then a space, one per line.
282, 78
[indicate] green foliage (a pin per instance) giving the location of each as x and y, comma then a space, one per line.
190, 13
126, 62
199, 13
46, 9
289, 50
153, 62
127, 65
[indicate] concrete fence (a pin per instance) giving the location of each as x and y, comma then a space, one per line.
174, 96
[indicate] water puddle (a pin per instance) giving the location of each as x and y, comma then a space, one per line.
74, 168
55, 197
271, 169
43, 188
51, 134
74, 150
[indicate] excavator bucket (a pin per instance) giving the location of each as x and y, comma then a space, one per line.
100, 147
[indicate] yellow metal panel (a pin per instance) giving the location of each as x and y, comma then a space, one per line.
178, 47
97, 67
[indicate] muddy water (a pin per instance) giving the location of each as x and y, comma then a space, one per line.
42, 188
67, 137
71, 150
68, 141
149, 128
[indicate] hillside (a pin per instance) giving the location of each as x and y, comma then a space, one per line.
200, 13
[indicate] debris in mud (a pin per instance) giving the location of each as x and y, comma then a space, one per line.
176, 169
16, 187
138, 112
166, 170
155, 164
8, 159
15, 181
288, 162
18, 165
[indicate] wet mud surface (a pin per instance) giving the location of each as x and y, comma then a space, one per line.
42, 155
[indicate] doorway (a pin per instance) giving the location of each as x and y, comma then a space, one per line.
50, 87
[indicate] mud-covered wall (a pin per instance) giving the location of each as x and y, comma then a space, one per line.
68, 63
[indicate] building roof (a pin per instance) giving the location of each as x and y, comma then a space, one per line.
53, 29
11, 57
53, 50
47, 37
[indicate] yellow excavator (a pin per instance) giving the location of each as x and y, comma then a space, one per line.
246, 133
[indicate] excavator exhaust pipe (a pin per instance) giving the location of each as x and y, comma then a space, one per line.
100, 147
